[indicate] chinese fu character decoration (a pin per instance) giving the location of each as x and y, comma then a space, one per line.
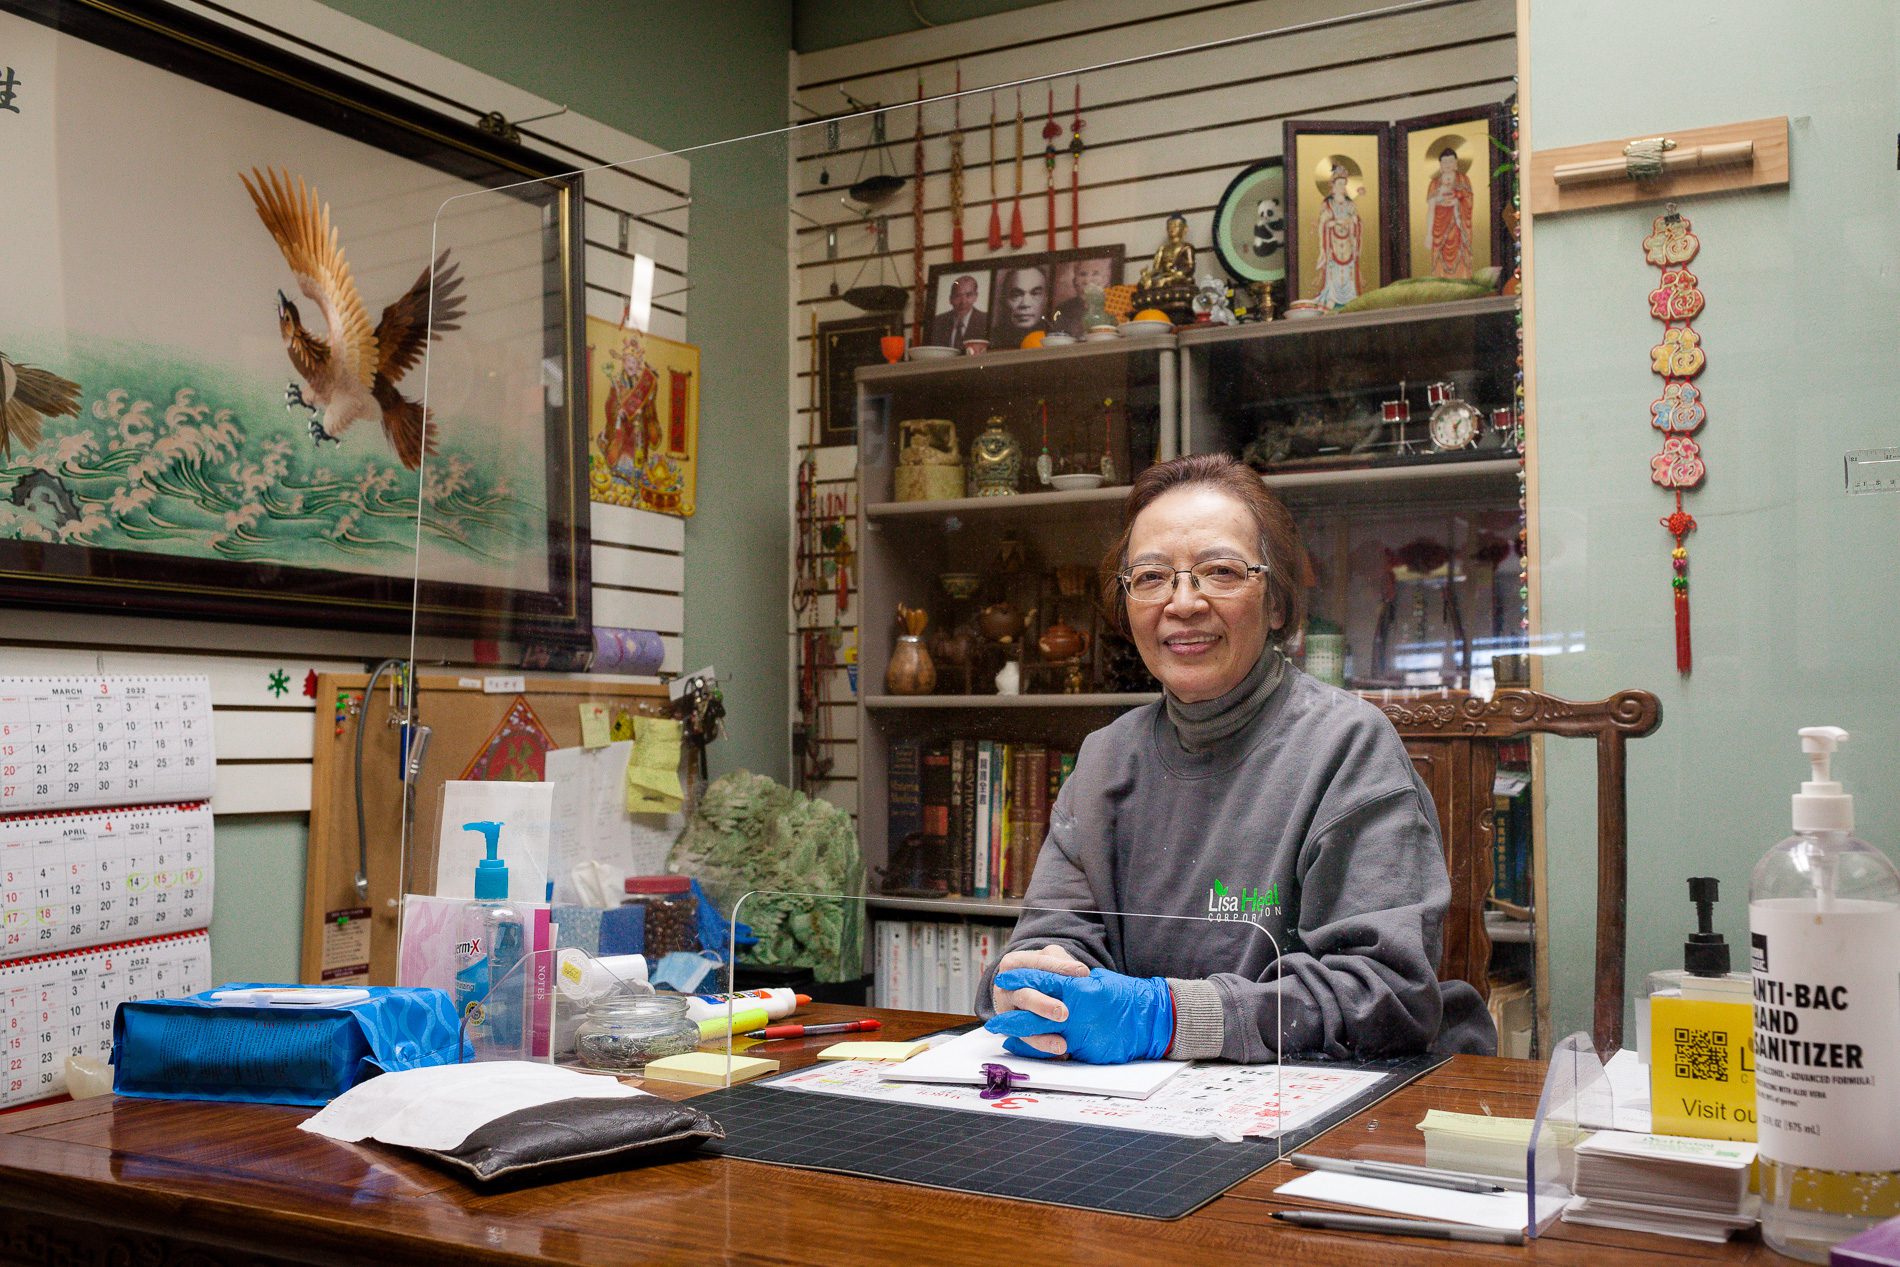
1678, 413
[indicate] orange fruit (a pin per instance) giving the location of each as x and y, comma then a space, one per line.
1033, 339
1152, 314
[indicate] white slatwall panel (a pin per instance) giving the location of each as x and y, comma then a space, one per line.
263, 740
1164, 134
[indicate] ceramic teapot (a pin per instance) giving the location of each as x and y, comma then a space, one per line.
1062, 641
1001, 622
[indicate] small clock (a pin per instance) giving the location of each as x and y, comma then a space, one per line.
1454, 424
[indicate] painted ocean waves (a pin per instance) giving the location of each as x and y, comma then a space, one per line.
180, 464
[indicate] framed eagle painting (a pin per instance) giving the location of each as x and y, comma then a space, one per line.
278, 346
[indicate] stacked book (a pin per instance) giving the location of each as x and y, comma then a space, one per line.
986, 800
1665, 1184
932, 965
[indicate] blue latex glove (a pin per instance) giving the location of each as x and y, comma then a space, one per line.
1112, 1018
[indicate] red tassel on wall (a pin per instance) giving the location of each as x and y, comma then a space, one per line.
1682, 631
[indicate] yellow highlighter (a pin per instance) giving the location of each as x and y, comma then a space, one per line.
742, 1019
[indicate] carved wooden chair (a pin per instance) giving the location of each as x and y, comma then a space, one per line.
1453, 743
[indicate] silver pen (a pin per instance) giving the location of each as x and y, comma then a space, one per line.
1402, 1227
1421, 1175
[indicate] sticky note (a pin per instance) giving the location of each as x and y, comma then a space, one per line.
596, 726
708, 1068
872, 1051
653, 781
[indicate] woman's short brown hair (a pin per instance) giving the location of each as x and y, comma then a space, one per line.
1280, 547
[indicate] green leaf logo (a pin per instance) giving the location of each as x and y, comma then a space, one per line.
1220, 888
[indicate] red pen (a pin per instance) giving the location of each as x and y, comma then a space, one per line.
800, 1031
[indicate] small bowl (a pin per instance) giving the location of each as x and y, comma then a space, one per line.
1098, 334
1137, 329
960, 585
1071, 483
931, 352
1057, 340
1301, 309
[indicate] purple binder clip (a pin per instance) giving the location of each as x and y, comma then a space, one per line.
997, 1080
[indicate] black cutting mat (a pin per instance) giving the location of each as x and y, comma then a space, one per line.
1104, 1168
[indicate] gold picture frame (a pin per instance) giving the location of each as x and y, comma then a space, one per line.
1450, 223
1336, 237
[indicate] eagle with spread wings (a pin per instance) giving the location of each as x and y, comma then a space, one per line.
29, 396
350, 371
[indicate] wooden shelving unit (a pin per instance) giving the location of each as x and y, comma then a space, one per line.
1190, 392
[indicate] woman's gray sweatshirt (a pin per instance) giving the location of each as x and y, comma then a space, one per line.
1309, 823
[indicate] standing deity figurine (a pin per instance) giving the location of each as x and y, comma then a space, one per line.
1340, 240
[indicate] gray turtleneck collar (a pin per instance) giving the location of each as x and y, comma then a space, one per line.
1204, 723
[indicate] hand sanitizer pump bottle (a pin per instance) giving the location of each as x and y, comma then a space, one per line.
1824, 945
489, 991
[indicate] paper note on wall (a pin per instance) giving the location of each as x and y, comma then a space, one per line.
653, 778
591, 821
525, 811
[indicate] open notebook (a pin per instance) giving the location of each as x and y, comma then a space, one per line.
961, 1060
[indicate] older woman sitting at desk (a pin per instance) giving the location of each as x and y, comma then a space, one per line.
1249, 778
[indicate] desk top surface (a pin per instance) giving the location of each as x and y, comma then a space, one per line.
108, 1179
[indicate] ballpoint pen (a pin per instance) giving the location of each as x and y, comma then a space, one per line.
802, 1031
1402, 1227
1421, 1175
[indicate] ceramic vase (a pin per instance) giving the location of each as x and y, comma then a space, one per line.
911, 671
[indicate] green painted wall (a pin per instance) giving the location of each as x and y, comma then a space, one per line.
665, 74
1793, 583
831, 23
258, 868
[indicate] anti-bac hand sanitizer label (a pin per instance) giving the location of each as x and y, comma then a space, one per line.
1827, 1032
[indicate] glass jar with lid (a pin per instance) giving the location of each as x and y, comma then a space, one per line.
624, 1031
672, 915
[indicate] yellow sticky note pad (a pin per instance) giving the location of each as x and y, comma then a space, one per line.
872, 1051
708, 1068
596, 726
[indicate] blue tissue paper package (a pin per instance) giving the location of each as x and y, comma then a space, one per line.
197, 1048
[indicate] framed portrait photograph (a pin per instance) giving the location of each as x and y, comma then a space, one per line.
843, 346
1250, 223
1019, 298
959, 304
1335, 195
1449, 192
258, 393
1071, 273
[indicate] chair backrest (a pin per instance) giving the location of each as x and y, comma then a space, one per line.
1453, 744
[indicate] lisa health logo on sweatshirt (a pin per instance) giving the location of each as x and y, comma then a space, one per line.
1247, 904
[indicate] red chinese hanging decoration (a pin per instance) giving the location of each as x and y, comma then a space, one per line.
1679, 412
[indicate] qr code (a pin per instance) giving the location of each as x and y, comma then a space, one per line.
1701, 1055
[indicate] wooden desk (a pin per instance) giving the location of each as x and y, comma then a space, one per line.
180, 1182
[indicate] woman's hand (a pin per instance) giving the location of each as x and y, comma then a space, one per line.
1106, 1018
1048, 959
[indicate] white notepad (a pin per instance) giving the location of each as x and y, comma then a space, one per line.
961, 1061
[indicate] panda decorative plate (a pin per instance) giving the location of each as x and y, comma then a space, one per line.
1250, 223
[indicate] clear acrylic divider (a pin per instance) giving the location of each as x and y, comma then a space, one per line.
1576, 1100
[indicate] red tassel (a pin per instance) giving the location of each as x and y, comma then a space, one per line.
956, 243
1682, 631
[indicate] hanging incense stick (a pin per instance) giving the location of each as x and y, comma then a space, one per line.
956, 173
1050, 131
917, 227
1075, 171
996, 206
1016, 235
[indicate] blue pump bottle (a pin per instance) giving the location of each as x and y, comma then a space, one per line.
490, 992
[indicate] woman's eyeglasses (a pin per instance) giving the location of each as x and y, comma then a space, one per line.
1215, 578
